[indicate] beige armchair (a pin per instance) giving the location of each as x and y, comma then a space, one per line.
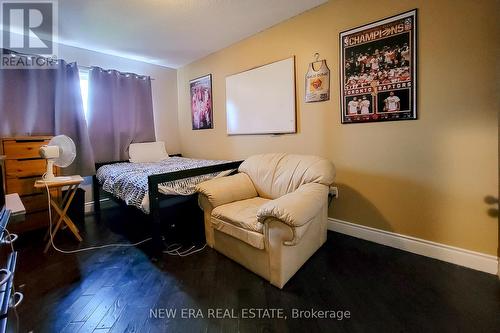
272, 215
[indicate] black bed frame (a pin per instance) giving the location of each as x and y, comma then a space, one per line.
155, 196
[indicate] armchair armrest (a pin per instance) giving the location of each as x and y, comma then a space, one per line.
297, 208
224, 190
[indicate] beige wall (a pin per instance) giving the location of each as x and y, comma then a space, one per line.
426, 178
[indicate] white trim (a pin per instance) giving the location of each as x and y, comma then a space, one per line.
89, 207
471, 259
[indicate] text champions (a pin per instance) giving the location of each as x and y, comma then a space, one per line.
376, 33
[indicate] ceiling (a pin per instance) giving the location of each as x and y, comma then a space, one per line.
169, 33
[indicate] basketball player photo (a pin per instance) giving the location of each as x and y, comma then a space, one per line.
353, 106
391, 103
365, 105
394, 101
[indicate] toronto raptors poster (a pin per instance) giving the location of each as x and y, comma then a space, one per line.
201, 102
378, 70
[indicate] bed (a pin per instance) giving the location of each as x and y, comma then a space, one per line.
146, 185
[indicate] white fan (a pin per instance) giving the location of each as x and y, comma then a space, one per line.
61, 152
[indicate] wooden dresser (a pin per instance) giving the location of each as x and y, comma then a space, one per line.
23, 166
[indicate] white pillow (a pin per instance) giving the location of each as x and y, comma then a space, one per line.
147, 152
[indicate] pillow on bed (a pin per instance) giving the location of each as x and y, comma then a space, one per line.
147, 152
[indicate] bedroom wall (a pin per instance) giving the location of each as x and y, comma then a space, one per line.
426, 178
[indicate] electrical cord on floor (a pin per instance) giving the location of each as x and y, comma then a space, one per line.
185, 253
97, 247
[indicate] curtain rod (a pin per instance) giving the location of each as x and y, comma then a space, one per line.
107, 70
82, 66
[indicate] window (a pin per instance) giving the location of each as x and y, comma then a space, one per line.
84, 88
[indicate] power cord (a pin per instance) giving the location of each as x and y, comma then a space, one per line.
13, 237
174, 252
185, 253
97, 247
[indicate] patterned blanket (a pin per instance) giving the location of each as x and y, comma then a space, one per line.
129, 181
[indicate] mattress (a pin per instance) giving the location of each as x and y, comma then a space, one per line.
129, 181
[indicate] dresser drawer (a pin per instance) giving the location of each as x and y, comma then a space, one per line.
23, 148
35, 203
25, 168
22, 186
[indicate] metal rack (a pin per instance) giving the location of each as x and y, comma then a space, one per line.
7, 287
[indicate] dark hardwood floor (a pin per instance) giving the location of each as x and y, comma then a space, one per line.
114, 289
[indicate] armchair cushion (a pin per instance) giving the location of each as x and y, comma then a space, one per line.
296, 208
224, 190
242, 213
277, 174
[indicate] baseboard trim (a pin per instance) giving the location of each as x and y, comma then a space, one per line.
475, 260
89, 207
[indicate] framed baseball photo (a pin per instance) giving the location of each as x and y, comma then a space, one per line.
201, 102
378, 70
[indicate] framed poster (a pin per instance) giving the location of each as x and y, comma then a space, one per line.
378, 70
201, 102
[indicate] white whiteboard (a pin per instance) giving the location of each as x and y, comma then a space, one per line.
262, 100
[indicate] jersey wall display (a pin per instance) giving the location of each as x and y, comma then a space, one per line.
378, 66
317, 82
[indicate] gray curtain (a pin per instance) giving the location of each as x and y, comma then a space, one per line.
46, 102
120, 112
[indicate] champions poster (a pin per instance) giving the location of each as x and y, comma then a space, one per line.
378, 70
